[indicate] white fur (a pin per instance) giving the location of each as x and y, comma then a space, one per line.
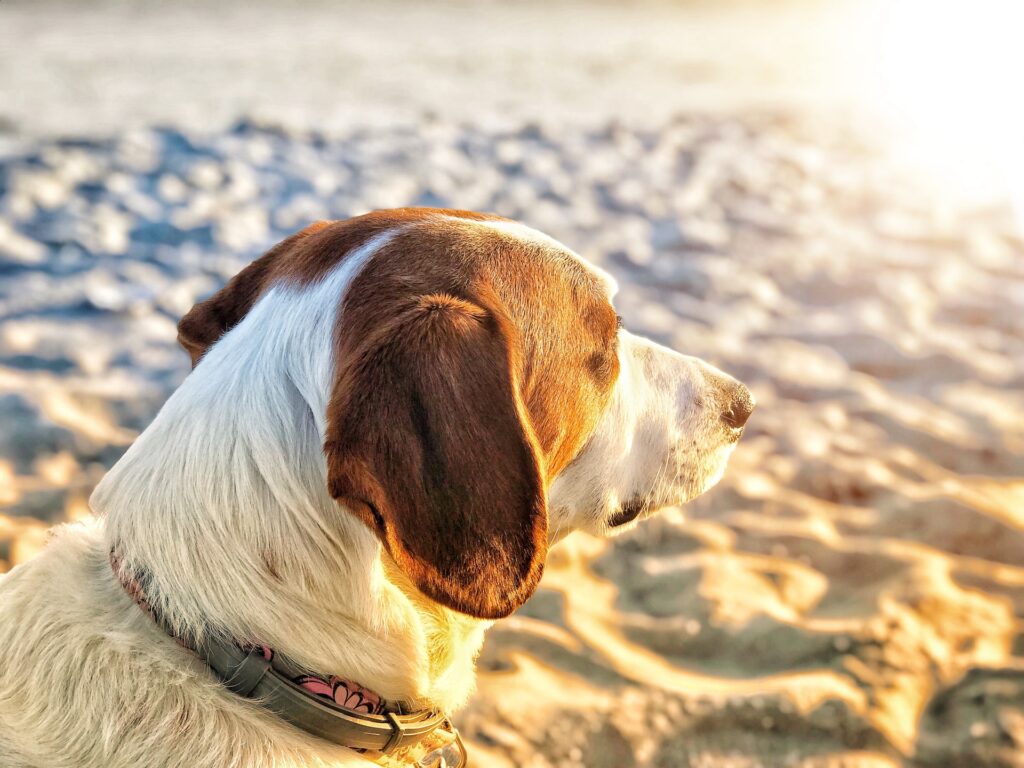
661, 439
224, 501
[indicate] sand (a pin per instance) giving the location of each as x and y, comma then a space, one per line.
851, 593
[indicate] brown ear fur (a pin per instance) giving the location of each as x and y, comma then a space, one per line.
428, 444
207, 321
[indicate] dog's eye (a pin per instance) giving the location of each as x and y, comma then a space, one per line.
378, 518
618, 322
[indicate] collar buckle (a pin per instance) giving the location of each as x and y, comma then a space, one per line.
450, 755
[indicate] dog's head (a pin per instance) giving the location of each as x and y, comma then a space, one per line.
482, 392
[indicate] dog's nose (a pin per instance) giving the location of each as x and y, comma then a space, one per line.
741, 405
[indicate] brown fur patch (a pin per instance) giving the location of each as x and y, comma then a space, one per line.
466, 381
413, 414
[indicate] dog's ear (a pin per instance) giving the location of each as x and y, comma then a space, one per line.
429, 444
208, 320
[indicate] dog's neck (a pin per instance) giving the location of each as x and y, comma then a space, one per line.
223, 501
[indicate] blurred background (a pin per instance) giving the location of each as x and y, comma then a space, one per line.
825, 199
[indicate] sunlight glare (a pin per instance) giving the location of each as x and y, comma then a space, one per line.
948, 78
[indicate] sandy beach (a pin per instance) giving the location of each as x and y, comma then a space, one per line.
852, 592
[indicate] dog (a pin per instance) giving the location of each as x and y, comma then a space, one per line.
388, 422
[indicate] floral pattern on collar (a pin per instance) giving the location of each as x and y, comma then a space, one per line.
344, 693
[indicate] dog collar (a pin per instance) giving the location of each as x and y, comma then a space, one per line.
339, 711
